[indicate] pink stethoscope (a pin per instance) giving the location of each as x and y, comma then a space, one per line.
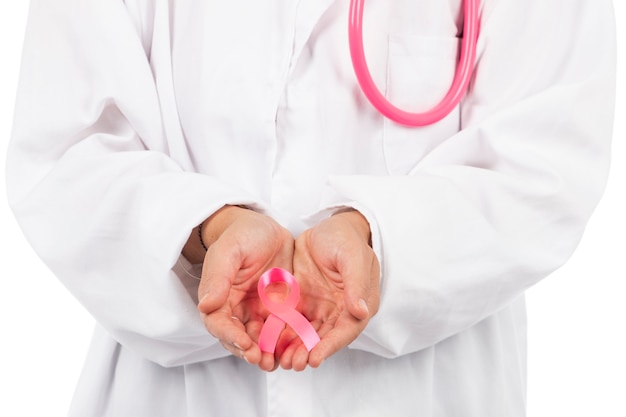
459, 84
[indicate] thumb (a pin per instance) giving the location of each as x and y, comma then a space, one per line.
358, 308
214, 294
218, 272
356, 294
361, 287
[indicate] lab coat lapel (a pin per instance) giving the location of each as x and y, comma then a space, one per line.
307, 16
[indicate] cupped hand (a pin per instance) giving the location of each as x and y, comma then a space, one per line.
339, 277
242, 244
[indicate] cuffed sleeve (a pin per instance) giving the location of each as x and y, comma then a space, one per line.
99, 188
503, 203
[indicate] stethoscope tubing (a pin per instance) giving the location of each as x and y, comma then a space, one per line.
459, 84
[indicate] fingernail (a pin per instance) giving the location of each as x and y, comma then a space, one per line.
363, 305
245, 358
235, 344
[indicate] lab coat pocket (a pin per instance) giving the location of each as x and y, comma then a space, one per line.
420, 70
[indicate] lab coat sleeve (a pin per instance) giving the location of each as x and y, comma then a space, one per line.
503, 203
94, 184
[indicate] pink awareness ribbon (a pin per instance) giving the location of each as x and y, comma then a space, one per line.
283, 313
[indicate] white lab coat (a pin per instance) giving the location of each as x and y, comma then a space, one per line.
136, 120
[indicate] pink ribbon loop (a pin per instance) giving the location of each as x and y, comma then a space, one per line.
283, 313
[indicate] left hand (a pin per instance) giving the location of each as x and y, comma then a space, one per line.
241, 245
339, 275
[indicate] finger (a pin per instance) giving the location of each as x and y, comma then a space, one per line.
286, 338
286, 357
268, 363
291, 346
234, 350
339, 336
300, 358
248, 351
264, 360
251, 356
254, 326
229, 331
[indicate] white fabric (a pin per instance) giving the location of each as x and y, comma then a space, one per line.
136, 120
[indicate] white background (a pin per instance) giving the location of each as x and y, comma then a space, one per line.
577, 336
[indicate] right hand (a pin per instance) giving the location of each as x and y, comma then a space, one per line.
242, 244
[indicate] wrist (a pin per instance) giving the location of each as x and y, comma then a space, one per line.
205, 234
212, 228
358, 222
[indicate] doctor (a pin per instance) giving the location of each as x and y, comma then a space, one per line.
165, 154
